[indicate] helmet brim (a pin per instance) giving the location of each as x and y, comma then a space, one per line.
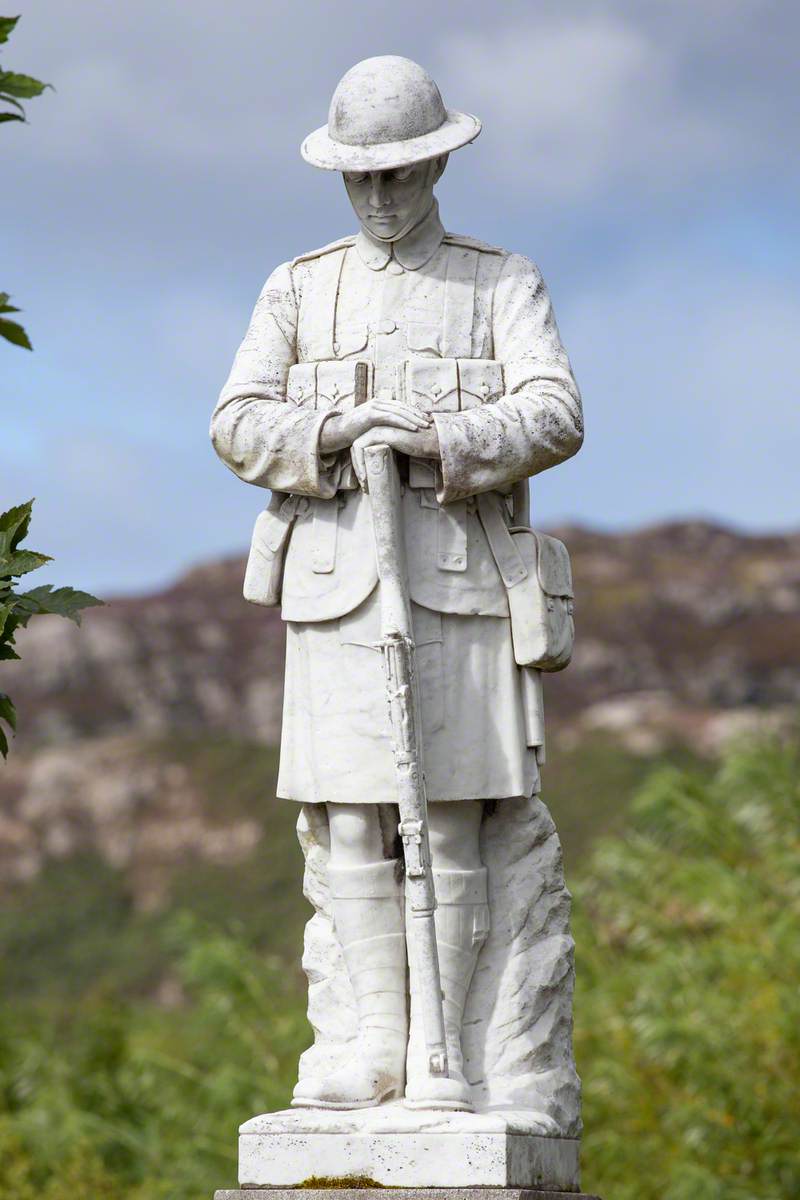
323, 151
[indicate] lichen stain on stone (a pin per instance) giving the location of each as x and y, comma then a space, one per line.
339, 1181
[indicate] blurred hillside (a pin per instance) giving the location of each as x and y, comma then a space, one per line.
680, 626
146, 735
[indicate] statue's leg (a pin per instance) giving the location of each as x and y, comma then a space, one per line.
367, 904
462, 924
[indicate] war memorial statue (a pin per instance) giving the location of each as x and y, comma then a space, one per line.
395, 391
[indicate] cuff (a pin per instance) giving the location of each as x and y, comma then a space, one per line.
455, 479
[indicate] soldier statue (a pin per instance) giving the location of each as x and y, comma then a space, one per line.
446, 350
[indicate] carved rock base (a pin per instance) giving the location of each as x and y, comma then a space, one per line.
391, 1146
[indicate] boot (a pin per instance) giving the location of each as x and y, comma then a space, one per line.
367, 905
462, 925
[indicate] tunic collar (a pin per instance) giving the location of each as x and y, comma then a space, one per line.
412, 251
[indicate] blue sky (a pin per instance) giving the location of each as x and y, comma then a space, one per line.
645, 155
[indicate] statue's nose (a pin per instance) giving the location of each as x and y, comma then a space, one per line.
377, 194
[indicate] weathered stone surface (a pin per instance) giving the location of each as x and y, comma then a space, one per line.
396, 1146
367, 1193
517, 1024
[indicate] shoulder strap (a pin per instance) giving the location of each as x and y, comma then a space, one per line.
318, 305
339, 244
459, 302
461, 239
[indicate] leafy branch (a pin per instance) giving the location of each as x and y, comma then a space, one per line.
17, 608
14, 88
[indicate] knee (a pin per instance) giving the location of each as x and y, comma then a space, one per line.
356, 836
455, 834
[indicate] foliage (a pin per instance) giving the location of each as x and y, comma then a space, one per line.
687, 1015
14, 88
143, 1102
12, 331
17, 608
688, 1011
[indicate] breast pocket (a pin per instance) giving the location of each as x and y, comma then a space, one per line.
425, 338
350, 339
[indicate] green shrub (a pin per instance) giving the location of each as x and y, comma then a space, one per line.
688, 1010
146, 1099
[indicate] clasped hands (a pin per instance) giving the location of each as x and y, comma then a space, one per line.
380, 421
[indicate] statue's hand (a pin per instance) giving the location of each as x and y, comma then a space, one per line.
342, 429
422, 443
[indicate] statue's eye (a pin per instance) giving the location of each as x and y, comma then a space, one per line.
401, 174
356, 176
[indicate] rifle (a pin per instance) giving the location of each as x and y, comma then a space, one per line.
399, 664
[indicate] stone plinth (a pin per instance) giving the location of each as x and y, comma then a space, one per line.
395, 1147
397, 1194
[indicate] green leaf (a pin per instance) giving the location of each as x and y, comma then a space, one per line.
6, 27
7, 116
7, 652
13, 332
13, 622
7, 711
24, 86
14, 524
23, 561
5, 307
15, 103
63, 602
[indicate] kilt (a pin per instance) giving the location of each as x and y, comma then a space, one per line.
335, 739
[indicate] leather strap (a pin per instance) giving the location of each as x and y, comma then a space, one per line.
501, 543
325, 293
452, 536
326, 521
459, 302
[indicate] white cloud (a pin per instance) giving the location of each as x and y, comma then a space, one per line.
579, 97
579, 102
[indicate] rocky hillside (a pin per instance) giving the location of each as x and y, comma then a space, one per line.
688, 634
688, 620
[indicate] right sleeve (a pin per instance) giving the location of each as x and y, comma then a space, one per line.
259, 435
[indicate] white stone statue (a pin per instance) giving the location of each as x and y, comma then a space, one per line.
446, 350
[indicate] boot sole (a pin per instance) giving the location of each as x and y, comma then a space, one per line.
344, 1105
432, 1105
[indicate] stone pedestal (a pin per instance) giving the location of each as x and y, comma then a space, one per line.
392, 1146
477, 1193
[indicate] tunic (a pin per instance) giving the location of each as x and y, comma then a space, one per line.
466, 331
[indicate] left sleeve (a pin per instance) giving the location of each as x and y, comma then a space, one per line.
538, 422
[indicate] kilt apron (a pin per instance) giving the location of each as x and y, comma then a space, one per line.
335, 743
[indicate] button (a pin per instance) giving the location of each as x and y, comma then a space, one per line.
387, 326
336, 347
394, 268
436, 390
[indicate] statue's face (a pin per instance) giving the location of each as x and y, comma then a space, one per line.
389, 203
